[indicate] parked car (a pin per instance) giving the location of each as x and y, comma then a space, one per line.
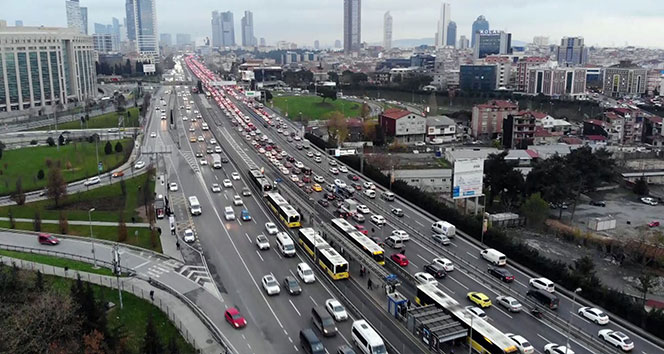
600, 203
653, 223
649, 201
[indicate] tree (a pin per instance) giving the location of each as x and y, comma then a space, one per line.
19, 195
327, 92
268, 95
108, 148
369, 130
500, 179
61, 140
120, 103
644, 284
641, 187
2, 148
173, 346
56, 187
337, 127
122, 229
36, 222
64, 224
50, 141
39, 281
365, 110
93, 343
333, 76
12, 222
415, 82
118, 147
552, 178
151, 342
584, 267
40, 174
535, 209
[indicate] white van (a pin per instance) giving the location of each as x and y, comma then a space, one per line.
494, 256
194, 206
443, 228
389, 196
394, 241
366, 338
370, 193
285, 244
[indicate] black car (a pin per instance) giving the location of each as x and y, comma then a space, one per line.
292, 285
209, 150
398, 212
224, 159
330, 196
324, 203
598, 203
502, 274
436, 270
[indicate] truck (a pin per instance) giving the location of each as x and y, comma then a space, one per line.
216, 161
160, 207
349, 206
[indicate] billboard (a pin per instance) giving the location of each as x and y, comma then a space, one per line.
149, 68
467, 178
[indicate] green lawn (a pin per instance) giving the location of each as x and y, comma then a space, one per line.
106, 120
314, 108
77, 159
108, 202
57, 262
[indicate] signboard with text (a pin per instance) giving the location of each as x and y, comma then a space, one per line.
467, 178
149, 68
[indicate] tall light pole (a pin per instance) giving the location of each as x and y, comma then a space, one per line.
97, 153
92, 237
569, 321
470, 337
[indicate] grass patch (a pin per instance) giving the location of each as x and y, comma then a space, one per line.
443, 163
56, 262
313, 107
106, 120
77, 159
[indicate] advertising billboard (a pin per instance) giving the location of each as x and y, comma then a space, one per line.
149, 68
467, 178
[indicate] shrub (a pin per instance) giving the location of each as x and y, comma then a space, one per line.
40, 174
50, 141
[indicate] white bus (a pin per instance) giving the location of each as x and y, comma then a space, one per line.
367, 339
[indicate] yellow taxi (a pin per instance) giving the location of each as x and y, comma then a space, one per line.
192, 139
479, 298
317, 187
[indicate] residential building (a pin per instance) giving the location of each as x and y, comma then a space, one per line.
572, 52
84, 19
440, 129
503, 69
477, 78
352, 25
451, 34
182, 39
487, 119
145, 28
624, 79
103, 42
403, 126
541, 41
443, 23
653, 82
463, 43
519, 130
492, 42
523, 67
557, 82
131, 20
551, 124
387, 31
247, 24
652, 131
165, 39
44, 66
479, 25
593, 129
615, 126
633, 124
438, 180
74, 19
424, 61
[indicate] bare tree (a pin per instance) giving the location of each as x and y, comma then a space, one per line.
56, 187
337, 127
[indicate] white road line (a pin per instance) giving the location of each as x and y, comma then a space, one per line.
446, 288
456, 281
293, 274
503, 312
295, 308
277, 252
472, 255
454, 245
142, 264
541, 336
414, 265
259, 255
424, 259
312, 300
289, 339
522, 284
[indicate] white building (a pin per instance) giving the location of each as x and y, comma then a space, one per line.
387, 31
443, 23
437, 180
74, 18
403, 126
441, 129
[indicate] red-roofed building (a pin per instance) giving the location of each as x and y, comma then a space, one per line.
487, 120
402, 125
545, 136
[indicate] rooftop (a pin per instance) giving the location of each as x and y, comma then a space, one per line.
439, 120
498, 104
395, 113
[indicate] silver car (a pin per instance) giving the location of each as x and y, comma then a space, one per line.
509, 303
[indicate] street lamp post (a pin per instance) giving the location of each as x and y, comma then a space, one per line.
470, 337
92, 236
569, 321
97, 153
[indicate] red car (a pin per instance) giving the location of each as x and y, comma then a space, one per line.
234, 317
330, 196
354, 177
306, 179
361, 229
400, 259
48, 239
653, 223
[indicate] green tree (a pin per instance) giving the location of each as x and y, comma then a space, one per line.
118, 147
641, 187
40, 174
61, 140
50, 141
39, 281
2, 148
552, 179
151, 342
173, 346
108, 148
333, 76
120, 103
535, 209
56, 187
327, 92
19, 194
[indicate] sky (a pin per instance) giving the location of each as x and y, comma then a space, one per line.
600, 22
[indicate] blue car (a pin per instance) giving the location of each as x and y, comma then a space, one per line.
245, 215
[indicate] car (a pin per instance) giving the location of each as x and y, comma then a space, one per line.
363, 209
237, 200
235, 176
227, 183
362, 229
400, 259
188, 236
200, 139
153, 134
47, 239
543, 284
425, 278
369, 185
173, 187
339, 183
401, 234
192, 139
435, 269
334, 171
649, 201
292, 285
600, 203
509, 303
336, 310
343, 169
553, 348
379, 220
213, 141
332, 162
616, 338
358, 217
521, 343
310, 154
271, 285
299, 164
594, 314
294, 178
244, 215
324, 203
271, 228
305, 273
357, 186
353, 177
224, 159
204, 162
306, 179
217, 149
229, 214
653, 223
233, 316
209, 150
330, 196
139, 165
216, 188
480, 299
442, 239
501, 273
192, 129
397, 211
445, 263
284, 170
318, 159
317, 187
262, 242
118, 174
246, 192
476, 311
91, 181
369, 193
319, 179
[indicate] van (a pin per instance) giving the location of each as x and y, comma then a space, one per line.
171, 222
443, 228
494, 256
323, 321
370, 193
394, 241
285, 244
310, 342
389, 196
544, 297
194, 206
366, 338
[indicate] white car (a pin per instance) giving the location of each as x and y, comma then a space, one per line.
227, 183
509, 303
363, 209
334, 171
343, 169
522, 343
271, 285
299, 164
476, 311
235, 176
262, 242
173, 187
401, 234
616, 338
305, 273
318, 159
139, 165
213, 141
216, 188
543, 284
294, 178
271, 228
319, 179
445, 263
594, 314
332, 162
369, 193
204, 162
192, 129
237, 200
335, 309
649, 201
92, 180
425, 278
200, 139
153, 134
339, 183
377, 219
284, 170
189, 236
217, 149
553, 348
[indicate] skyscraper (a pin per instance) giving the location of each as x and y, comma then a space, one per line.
165, 39
131, 20
572, 51
182, 39
481, 24
443, 22
262, 42
352, 25
247, 23
316, 44
145, 27
451, 34
84, 19
115, 31
73, 9
227, 29
464, 43
337, 43
216, 29
492, 42
387, 31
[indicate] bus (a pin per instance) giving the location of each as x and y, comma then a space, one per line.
286, 213
485, 337
318, 249
260, 180
364, 243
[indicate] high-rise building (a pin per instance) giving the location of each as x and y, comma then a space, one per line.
57, 67
464, 43
557, 82
523, 67
145, 23
481, 24
84, 19
572, 52
247, 23
216, 29
443, 23
102, 42
131, 20
73, 9
165, 39
337, 44
541, 40
262, 42
115, 31
451, 34
101, 28
227, 29
477, 78
352, 25
18, 23
182, 39
387, 31
316, 44
492, 42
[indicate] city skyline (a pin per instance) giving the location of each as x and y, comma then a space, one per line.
417, 19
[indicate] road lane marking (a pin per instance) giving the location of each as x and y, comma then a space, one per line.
312, 300
458, 282
142, 264
472, 255
503, 312
424, 259
546, 340
248, 238
295, 308
446, 288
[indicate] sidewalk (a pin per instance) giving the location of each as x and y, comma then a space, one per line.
80, 222
192, 328
169, 242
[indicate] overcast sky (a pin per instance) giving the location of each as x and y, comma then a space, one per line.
601, 22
